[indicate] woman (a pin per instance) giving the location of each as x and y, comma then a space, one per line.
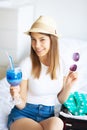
42, 82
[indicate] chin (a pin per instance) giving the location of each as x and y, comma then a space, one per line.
41, 54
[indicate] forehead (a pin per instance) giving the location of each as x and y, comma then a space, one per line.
38, 35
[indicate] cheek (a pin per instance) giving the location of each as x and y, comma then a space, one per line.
33, 45
48, 46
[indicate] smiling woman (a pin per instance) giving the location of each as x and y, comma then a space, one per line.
42, 81
65, 45
41, 45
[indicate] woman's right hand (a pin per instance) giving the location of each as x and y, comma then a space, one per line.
19, 93
15, 91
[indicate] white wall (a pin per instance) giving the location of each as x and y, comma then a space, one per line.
8, 33
13, 23
71, 16
25, 19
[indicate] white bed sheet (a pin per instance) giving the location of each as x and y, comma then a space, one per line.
67, 47
5, 104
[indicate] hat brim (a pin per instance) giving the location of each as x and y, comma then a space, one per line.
38, 30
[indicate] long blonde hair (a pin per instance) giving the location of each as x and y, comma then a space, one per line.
53, 57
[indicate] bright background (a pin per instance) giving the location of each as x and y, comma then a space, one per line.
16, 16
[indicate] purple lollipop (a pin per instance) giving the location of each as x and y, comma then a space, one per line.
76, 56
73, 67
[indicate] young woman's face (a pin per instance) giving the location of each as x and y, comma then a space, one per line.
40, 43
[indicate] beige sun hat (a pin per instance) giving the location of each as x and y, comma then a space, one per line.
43, 24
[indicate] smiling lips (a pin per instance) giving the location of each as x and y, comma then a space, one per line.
39, 51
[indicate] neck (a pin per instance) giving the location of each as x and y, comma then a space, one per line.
45, 60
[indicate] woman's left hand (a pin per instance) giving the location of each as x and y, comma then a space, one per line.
70, 79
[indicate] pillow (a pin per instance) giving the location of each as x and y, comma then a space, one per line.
76, 103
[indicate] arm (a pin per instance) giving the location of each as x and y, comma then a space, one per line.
67, 85
20, 92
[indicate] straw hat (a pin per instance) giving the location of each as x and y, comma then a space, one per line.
45, 25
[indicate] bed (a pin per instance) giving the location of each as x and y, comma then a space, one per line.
66, 46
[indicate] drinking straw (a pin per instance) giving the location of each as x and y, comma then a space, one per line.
10, 61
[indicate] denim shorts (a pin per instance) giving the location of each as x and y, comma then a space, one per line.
35, 112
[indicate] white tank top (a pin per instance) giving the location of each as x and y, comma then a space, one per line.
43, 90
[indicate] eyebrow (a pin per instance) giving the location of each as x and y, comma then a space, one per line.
39, 37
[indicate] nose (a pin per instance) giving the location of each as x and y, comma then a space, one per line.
37, 44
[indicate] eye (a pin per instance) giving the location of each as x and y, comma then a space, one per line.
43, 39
32, 39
